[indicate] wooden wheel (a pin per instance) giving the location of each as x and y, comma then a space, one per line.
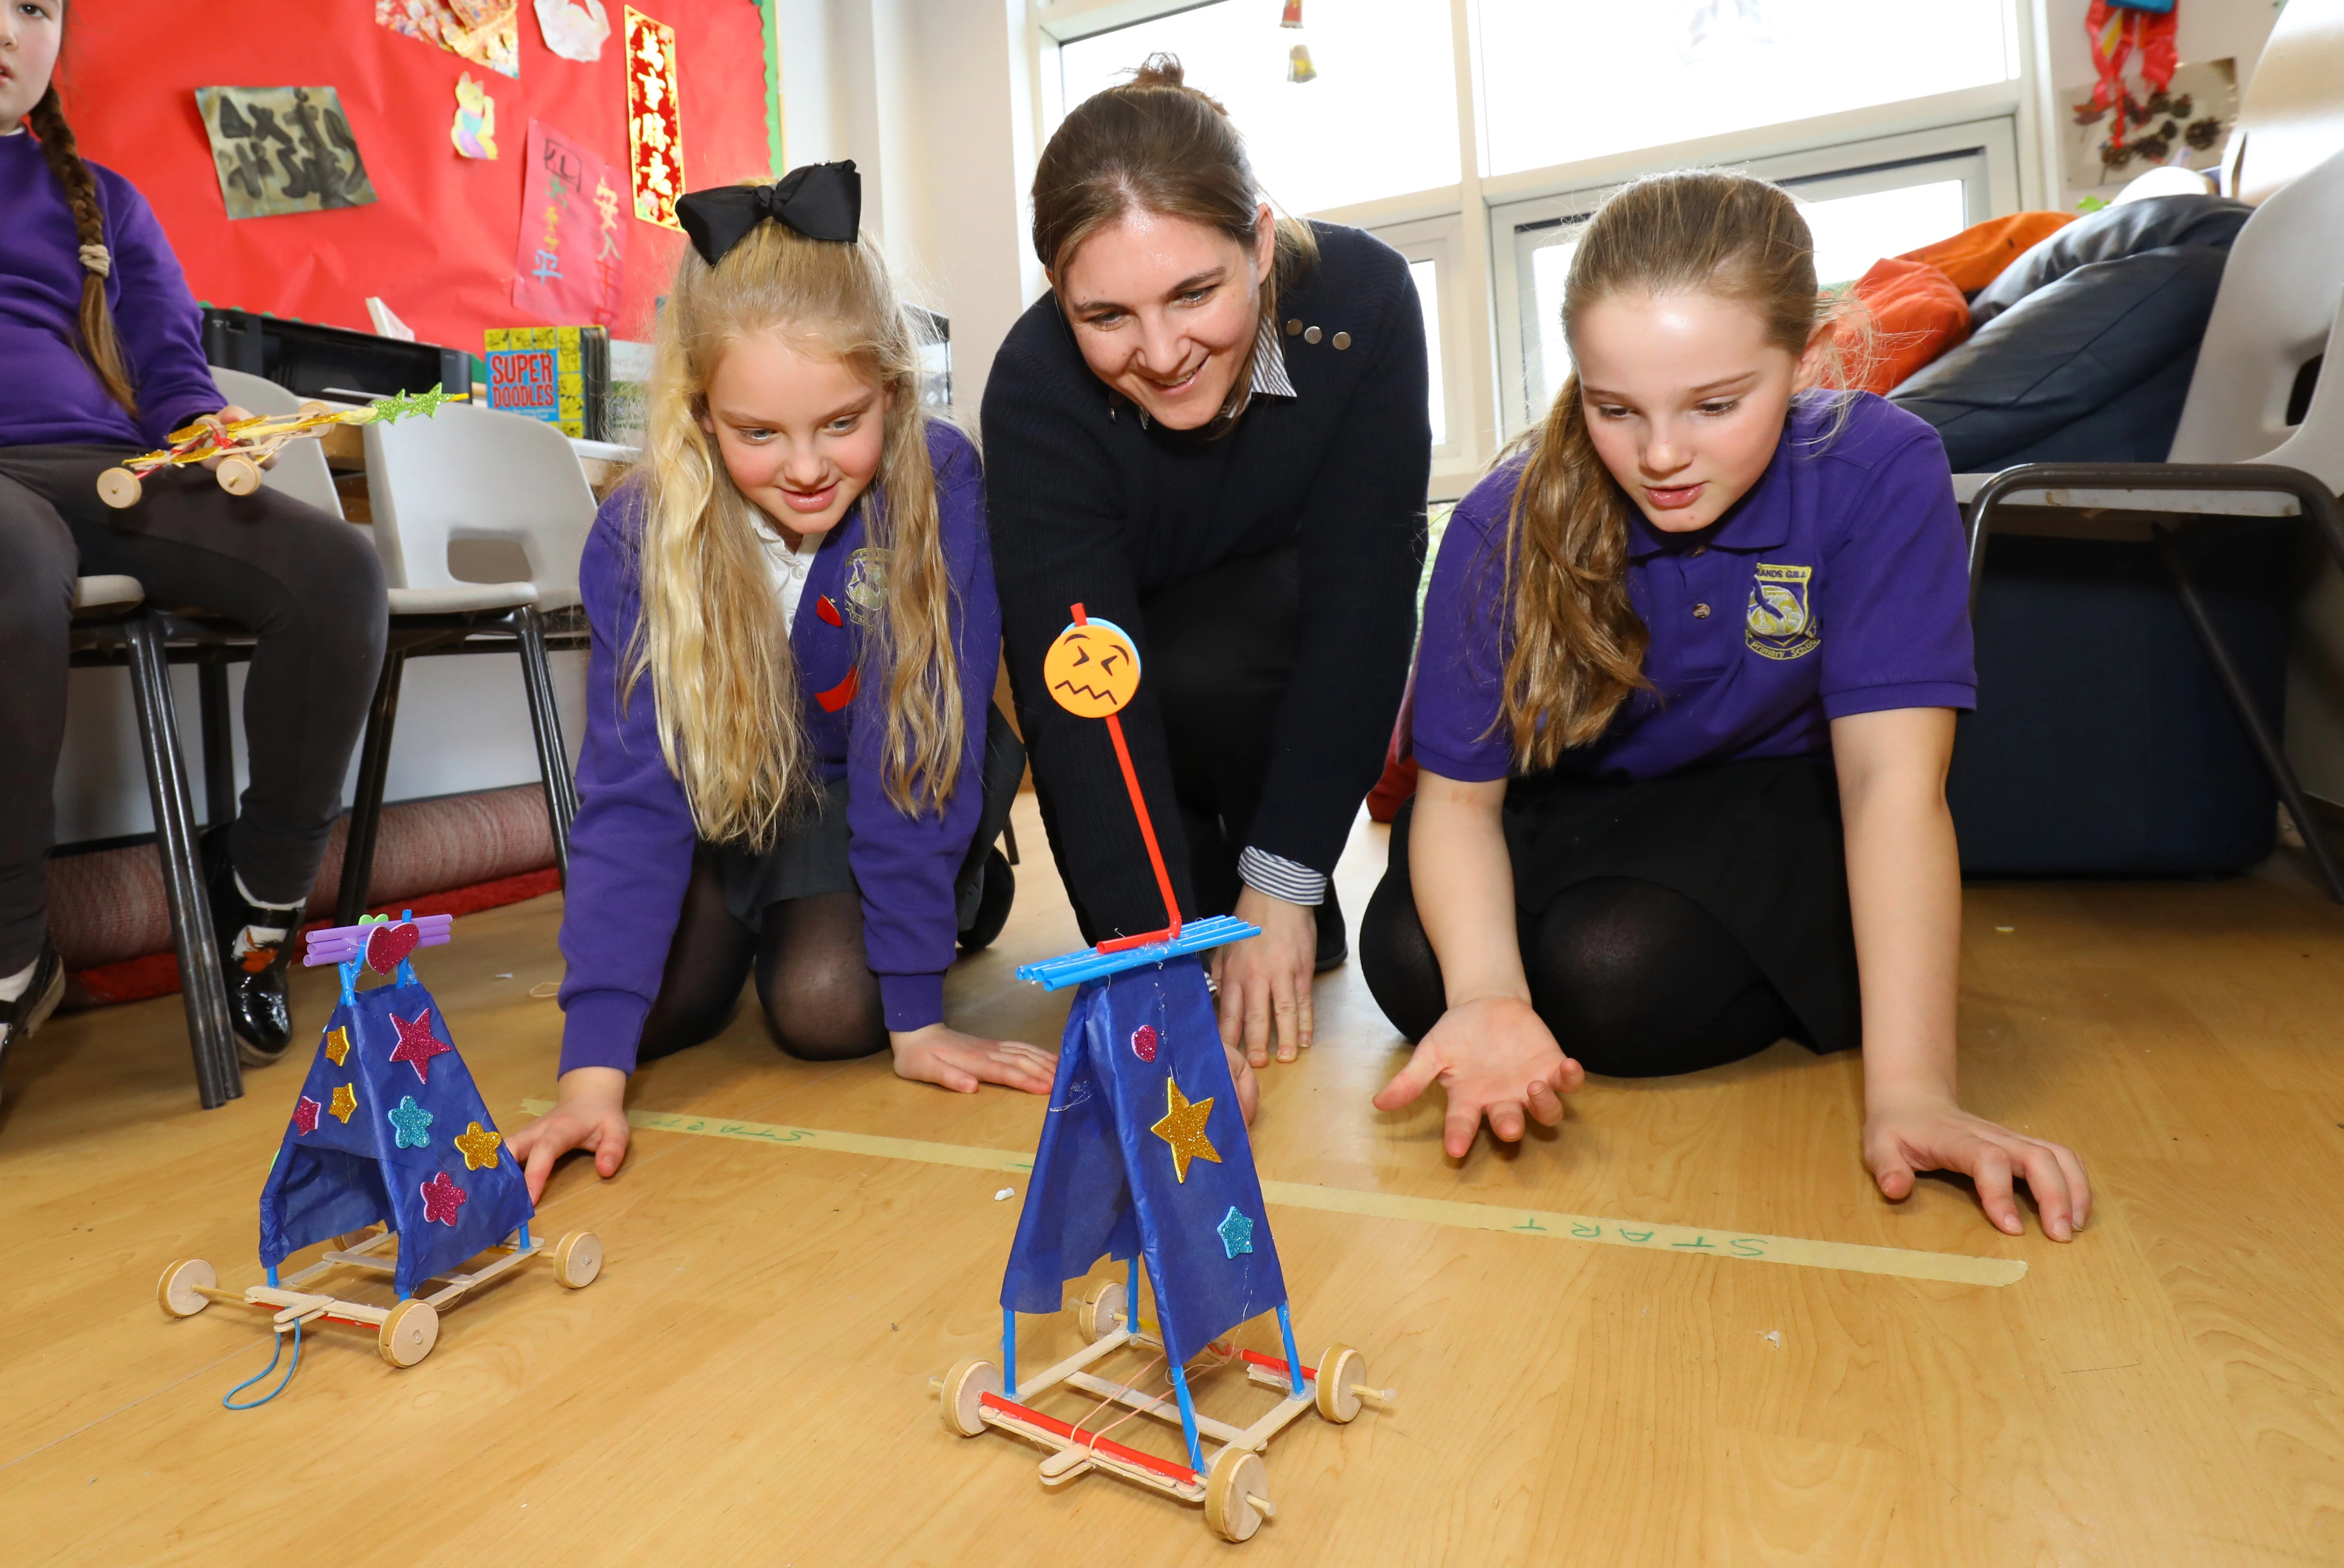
177, 1289
577, 1260
1237, 1494
238, 475
1101, 1305
349, 1240
407, 1336
311, 409
119, 488
1340, 1368
963, 1387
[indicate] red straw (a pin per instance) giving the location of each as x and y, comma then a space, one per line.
1146, 830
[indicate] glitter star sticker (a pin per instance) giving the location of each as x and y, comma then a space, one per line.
441, 1199
416, 1044
345, 1100
413, 1123
1237, 1232
478, 1145
305, 1115
1183, 1127
337, 1047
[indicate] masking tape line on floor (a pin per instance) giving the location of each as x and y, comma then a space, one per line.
1953, 1268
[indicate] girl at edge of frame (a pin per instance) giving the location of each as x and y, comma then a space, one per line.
794, 642
1688, 796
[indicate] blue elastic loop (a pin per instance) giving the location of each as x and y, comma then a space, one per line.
229, 1398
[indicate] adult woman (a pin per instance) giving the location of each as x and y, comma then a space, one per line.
100, 338
1212, 432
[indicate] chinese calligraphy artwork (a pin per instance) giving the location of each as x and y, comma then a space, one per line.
572, 248
282, 150
654, 124
485, 32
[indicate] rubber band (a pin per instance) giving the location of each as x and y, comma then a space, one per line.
229, 1398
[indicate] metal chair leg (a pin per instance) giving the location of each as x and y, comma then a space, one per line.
545, 719
218, 1077
219, 742
366, 811
2242, 703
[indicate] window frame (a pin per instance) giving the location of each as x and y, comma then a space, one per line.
1480, 298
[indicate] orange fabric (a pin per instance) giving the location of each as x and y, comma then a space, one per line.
1917, 315
1975, 257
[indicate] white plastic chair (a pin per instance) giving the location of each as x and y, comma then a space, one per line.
470, 473
2261, 437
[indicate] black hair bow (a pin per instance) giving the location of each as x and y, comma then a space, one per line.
821, 201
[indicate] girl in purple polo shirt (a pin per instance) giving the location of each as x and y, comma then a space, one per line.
794, 644
1684, 705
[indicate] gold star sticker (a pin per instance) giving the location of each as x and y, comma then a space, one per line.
479, 1146
338, 1045
1183, 1127
345, 1100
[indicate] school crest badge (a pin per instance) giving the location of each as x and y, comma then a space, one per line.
1782, 622
866, 580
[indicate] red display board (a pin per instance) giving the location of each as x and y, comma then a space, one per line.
438, 245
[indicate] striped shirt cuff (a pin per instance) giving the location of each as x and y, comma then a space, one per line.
1281, 877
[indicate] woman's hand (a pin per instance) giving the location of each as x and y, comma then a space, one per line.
1930, 1132
940, 1054
589, 1112
1265, 981
1496, 1058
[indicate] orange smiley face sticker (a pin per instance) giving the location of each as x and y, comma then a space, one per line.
1093, 669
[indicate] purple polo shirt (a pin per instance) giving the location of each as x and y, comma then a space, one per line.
1837, 586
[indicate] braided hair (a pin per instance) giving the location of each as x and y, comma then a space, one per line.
100, 344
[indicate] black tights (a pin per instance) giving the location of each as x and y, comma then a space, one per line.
1635, 980
820, 997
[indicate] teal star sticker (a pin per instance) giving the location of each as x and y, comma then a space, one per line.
1237, 1232
414, 1125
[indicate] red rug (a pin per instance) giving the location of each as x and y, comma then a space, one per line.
157, 974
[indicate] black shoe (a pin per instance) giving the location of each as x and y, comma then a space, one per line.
254, 969
1334, 945
22, 1019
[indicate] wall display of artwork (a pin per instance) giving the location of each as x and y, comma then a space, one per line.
485, 32
573, 29
2187, 122
474, 131
573, 237
438, 243
282, 150
654, 120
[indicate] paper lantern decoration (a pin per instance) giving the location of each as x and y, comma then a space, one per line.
654, 123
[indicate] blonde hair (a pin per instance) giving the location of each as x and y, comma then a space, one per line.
710, 638
1579, 645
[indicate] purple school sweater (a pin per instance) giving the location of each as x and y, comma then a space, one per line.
630, 849
49, 393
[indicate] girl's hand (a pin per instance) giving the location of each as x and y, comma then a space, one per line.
229, 415
1496, 1058
1265, 981
941, 1054
1930, 1132
590, 1112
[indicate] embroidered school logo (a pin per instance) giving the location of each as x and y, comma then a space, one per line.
1782, 624
866, 579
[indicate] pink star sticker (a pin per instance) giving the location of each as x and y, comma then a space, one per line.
416, 1044
441, 1199
305, 1115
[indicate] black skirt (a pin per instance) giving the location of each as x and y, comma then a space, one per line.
1757, 844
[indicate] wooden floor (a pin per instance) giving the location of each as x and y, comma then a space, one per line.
748, 1383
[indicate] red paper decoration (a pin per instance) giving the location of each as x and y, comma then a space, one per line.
441, 1199
654, 124
416, 1044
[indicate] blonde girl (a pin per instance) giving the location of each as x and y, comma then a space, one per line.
1684, 705
794, 644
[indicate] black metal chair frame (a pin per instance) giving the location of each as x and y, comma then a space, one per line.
2162, 529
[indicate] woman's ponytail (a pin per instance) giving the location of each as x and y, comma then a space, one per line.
100, 344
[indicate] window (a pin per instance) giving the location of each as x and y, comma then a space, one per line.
1680, 70
1425, 275
1379, 119
1873, 203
